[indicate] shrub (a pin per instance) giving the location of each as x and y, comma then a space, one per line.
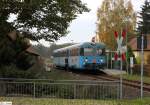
148, 59
138, 59
13, 72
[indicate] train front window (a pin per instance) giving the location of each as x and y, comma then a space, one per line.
88, 51
100, 51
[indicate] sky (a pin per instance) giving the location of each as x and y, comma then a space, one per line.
83, 28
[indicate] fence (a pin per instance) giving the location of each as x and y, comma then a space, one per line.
59, 89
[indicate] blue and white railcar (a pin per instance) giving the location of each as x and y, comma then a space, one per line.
85, 56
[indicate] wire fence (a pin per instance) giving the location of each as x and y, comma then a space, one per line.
60, 89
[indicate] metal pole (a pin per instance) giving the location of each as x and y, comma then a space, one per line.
131, 65
120, 73
75, 91
107, 58
34, 89
121, 64
120, 86
127, 50
121, 78
131, 71
111, 59
142, 59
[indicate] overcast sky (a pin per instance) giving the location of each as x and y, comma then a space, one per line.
83, 28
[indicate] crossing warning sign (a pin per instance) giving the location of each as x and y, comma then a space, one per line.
120, 49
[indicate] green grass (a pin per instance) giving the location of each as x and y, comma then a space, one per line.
137, 78
48, 101
55, 74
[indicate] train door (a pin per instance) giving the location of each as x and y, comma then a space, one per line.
66, 60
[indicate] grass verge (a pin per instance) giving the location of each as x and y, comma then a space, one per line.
137, 78
48, 101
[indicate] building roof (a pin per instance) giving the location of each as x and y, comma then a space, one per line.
12, 35
133, 44
31, 50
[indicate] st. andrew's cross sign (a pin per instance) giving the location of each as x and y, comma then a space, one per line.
121, 49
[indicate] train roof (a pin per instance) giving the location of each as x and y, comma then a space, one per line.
82, 45
100, 45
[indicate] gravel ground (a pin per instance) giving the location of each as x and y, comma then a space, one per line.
132, 93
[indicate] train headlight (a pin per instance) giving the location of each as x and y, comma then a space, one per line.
86, 60
102, 60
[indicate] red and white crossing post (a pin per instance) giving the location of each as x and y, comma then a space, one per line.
120, 52
121, 49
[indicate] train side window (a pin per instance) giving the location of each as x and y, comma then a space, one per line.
76, 52
67, 53
56, 54
60, 54
71, 52
82, 51
103, 51
64, 53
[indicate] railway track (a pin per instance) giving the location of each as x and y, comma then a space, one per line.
131, 83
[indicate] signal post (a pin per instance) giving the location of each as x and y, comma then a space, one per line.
120, 52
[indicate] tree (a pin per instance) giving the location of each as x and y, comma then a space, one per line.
35, 20
115, 15
39, 19
144, 23
11, 50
